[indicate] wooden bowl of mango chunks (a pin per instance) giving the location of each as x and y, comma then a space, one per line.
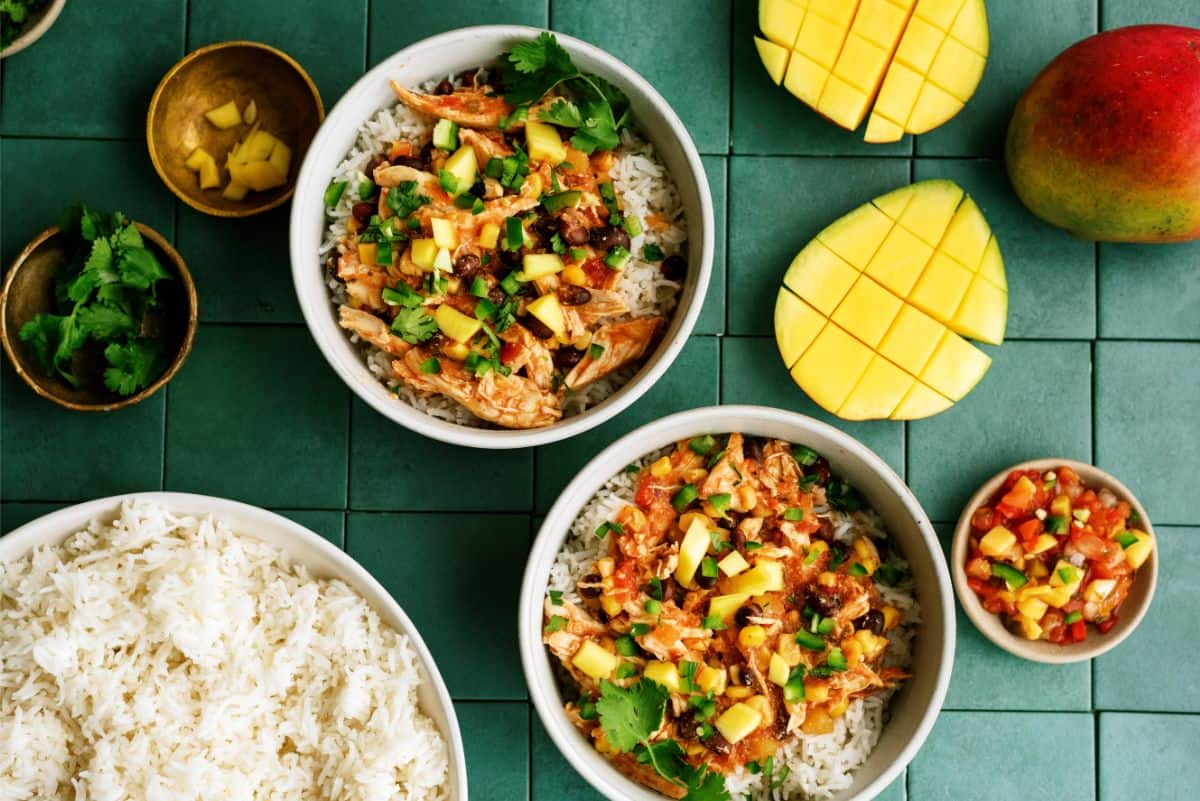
229, 125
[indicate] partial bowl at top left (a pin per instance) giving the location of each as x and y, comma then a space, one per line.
35, 25
286, 104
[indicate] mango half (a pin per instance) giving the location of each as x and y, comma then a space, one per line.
918, 61
872, 313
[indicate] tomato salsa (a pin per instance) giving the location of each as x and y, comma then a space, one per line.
1050, 555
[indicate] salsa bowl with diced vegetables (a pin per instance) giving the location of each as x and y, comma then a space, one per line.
501, 237
737, 603
1054, 560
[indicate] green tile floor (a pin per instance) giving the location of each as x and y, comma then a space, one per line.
1103, 364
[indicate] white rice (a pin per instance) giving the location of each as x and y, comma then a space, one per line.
643, 186
819, 765
165, 658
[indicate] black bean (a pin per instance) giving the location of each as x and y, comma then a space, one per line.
872, 621
412, 161
825, 604
510, 258
674, 268
444, 87
537, 327
608, 238
362, 212
744, 676
544, 227
496, 295
705, 582
427, 153
377, 161
589, 591
573, 231
565, 358
753, 448
718, 744
467, 265
686, 726
820, 469
742, 618
571, 295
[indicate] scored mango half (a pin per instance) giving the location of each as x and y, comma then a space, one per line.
917, 61
872, 313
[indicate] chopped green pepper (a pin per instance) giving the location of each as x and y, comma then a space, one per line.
708, 567
793, 513
720, 502
555, 624
561, 200
1057, 524
334, 193
653, 607
626, 645
809, 640
1125, 539
1014, 578
617, 258
836, 659
702, 445
686, 494
804, 455
1074, 617
793, 691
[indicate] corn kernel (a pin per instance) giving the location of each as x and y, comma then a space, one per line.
868, 554
817, 721
760, 704
610, 605
661, 467
574, 275
891, 617
827, 579
605, 565
752, 636
712, 679
686, 521
853, 652
839, 709
737, 692
816, 692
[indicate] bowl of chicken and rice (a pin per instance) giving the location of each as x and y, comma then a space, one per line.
737, 603
501, 237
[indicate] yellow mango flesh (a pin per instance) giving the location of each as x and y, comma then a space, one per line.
917, 61
869, 317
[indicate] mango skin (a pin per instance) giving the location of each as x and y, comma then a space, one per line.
1106, 140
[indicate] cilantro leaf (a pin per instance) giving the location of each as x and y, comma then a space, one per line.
562, 112
630, 716
72, 335
139, 268
706, 785
128, 237
414, 325
134, 365
105, 321
97, 271
43, 333
533, 68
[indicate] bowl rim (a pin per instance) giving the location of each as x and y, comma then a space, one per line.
36, 31
989, 625
185, 347
315, 305
556, 527
156, 158
57, 525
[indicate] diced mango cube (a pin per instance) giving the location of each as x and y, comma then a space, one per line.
983, 314
900, 260
774, 58
1099, 589
544, 143
210, 176
540, 265
691, 551
939, 12
489, 235
796, 325
465, 168
779, 21
549, 311
1030, 629
281, 157
843, 103
595, 661
778, 670
921, 402
257, 147
224, 116
733, 564
971, 27
867, 311
880, 129
1032, 608
1043, 543
899, 92
738, 722
197, 158
913, 338
724, 606
235, 191
956, 367
820, 276
455, 324
820, 40
941, 288
366, 253
664, 673
957, 69
422, 252
1137, 553
878, 393
805, 79
765, 576
856, 236
929, 213
831, 367
919, 44
445, 235
934, 106
711, 680
997, 542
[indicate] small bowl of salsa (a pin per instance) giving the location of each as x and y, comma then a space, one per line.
1054, 560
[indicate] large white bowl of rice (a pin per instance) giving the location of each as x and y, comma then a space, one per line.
658, 176
873, 735
174, 646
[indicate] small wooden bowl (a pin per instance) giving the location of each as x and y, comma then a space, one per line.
29, 289
35, 28
288, 103
991, 626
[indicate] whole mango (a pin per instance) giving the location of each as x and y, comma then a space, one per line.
1106, 140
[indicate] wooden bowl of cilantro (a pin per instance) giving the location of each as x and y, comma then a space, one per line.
98, 312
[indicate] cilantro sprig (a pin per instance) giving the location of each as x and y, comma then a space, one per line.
629, 718
107, 293
594, 108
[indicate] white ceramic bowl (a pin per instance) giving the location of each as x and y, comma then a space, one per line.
913, 710
321, 558
435, 58
35, 28
1136, 604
